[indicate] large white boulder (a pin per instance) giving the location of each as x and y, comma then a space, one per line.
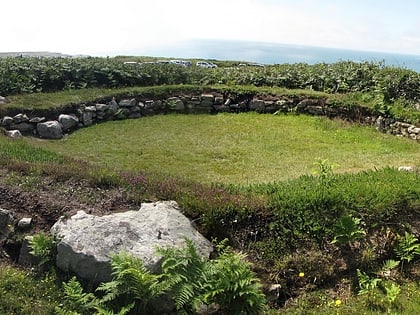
87, 242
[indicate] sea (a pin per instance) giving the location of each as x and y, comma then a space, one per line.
274, 53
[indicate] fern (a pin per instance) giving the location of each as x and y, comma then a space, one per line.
348, 230
408, 247
184, 274
388, 265
100, 310
190, 280
234, 286
131, 280
366, 283
77, 300
43, 247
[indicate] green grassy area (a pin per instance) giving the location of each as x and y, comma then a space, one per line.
246, 176
24, 292
235, 148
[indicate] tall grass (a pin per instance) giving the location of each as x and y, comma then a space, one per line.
22, 151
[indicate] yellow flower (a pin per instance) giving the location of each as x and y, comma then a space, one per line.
337, 302
301, 274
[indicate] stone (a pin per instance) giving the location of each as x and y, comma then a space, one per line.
413, 129
87, 242
90, 109
24, 127
13, 134
257, 105
113, 106
273, 292
50, 130
68, 121
6, 219
135, 109
380, 124
219, 100
25, 256
102, 107
150, 104
307, 102
19, 118
87, 118
315, 110
3, 100
158, 105
37, 120
175, 103
6, 121
128, 103
207, 100
24, 223
406, 168
207, 97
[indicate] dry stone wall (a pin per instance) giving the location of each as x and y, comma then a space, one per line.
85, 115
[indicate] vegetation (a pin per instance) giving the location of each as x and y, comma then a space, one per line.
191, 282
369, 82
340, 238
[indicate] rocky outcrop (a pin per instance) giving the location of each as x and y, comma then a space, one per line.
86, 115
87, 242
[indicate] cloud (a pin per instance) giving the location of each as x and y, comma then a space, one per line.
101, 27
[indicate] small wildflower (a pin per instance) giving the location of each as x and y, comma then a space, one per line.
301, 274
337, 302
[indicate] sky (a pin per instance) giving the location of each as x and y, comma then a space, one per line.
139, 27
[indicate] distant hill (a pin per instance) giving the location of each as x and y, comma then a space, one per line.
35, 54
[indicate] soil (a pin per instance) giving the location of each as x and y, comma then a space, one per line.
45, 200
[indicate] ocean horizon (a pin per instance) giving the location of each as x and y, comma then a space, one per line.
274, 53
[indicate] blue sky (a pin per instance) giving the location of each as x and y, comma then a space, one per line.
140, 26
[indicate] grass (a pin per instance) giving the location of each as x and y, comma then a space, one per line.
235, 148
325, 303
22, 292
